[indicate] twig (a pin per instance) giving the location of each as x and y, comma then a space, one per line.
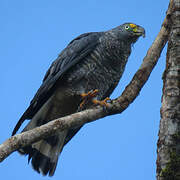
117, 106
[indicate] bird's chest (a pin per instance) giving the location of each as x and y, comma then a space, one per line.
102, 69
114, 57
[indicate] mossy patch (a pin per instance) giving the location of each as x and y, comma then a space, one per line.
172, 169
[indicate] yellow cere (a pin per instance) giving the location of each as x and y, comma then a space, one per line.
133, 26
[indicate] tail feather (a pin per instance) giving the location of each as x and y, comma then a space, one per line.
46, 157
44, 153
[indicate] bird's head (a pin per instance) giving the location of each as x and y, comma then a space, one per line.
129, 31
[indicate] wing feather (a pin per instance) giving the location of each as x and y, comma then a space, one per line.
76, 51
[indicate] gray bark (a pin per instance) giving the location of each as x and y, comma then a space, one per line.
169, 135
168, 159
117, 106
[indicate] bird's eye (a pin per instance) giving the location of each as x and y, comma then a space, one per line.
126, 27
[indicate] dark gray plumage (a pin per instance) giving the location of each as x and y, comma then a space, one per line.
92, 61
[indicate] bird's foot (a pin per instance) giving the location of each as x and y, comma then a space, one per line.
102, 103
88, 96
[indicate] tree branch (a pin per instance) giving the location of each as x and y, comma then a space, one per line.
116, 106
168, 146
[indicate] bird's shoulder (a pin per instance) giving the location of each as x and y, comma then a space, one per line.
77, 49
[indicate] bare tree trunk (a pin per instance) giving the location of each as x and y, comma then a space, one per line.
117, 106
168, 159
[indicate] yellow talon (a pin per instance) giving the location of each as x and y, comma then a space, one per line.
101, 103
88, 96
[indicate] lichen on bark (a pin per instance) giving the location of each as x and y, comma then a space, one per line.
168, 158
171, 171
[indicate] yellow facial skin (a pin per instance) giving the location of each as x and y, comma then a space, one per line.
134, 27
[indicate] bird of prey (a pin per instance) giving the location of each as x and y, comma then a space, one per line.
85, 73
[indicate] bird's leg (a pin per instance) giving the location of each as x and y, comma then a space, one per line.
88, 96
101, 103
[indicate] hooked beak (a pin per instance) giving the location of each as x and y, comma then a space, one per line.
139, 31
